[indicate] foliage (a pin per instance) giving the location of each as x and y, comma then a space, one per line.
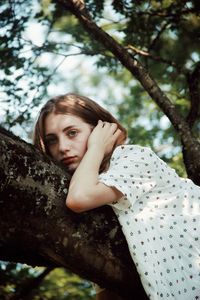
61, 284
58, 284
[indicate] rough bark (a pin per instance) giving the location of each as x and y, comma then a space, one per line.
191, 146
36, 227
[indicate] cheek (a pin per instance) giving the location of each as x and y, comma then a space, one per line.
83, 144
52, 152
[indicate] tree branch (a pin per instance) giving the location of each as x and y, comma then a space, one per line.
36, 227
149, 55
168, 13
159, 33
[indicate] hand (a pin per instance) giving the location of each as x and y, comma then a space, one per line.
104, 136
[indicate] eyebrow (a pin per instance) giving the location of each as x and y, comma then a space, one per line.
64, 129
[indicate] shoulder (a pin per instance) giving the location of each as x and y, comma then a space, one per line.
129, 156
132, 151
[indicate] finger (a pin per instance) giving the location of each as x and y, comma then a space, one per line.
100, 122
112, 126
103, 123
117, 133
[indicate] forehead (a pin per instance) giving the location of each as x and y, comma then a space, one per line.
55, 122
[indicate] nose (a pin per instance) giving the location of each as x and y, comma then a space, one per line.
63, 145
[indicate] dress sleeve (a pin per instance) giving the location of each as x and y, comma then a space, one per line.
132, 171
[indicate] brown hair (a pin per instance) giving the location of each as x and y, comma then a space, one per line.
82, 107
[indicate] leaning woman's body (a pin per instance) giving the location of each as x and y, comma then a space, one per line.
159, 212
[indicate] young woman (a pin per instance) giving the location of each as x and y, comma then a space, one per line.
159, 212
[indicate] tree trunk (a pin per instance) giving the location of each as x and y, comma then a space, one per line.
36, 227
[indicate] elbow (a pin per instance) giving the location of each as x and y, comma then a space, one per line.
76, 203
72, 205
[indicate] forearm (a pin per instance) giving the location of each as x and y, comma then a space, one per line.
86, 175
85, 192
85, 179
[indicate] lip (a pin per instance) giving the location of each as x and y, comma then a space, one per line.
68, 160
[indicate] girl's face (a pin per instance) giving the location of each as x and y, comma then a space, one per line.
66, 138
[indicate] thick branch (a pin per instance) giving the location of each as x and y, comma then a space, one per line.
36, 227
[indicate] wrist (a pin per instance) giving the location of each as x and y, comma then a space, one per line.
96, 156
97, 149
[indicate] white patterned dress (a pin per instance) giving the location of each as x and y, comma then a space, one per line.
160, 218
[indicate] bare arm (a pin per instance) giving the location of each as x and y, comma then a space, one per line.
85, 192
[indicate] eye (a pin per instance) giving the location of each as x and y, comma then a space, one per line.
50, 141
72, 133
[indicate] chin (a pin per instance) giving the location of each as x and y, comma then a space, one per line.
71, 168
